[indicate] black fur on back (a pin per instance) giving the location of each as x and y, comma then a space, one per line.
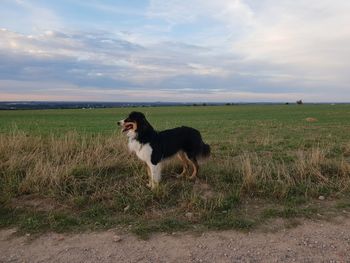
169, 142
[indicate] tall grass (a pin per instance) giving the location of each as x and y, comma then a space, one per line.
96, 174
308, 172
67, 165
98, 166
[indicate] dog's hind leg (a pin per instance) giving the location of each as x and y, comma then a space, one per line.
184, 161
195, 168
193, 162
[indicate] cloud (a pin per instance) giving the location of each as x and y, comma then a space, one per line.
308, 36
194, 50
97, 55
232, 13
28, 15
28, 90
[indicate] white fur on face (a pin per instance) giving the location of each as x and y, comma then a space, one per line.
131, 134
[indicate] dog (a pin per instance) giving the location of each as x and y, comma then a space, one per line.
153, 147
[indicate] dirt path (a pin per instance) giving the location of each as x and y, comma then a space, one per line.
309, 242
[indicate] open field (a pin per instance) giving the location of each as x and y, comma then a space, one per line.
70, 169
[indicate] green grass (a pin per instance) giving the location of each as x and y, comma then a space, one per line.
78, 160
289, 212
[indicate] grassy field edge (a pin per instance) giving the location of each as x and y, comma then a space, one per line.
78, 179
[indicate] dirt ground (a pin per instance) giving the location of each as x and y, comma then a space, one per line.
311, 241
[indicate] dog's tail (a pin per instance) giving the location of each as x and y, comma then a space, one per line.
204, 151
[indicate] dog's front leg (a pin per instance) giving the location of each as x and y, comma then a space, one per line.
155, 175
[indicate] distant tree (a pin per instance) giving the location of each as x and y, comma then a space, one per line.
300, 102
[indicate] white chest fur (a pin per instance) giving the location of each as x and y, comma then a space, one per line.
143, 151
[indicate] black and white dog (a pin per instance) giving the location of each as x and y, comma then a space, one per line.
153, 147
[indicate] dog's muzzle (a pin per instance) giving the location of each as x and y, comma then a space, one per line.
125, 126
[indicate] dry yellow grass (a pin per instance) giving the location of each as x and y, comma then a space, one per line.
85, 171
49, 165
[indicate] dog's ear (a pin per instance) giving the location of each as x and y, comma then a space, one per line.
141, 115
136, 115
142, 124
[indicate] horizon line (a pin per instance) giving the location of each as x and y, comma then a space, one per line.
155, 102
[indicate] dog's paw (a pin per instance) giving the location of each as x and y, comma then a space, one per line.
152, 185
192, 178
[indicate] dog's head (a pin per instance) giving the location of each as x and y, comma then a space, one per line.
135, 123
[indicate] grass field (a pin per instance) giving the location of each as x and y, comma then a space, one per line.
70, 169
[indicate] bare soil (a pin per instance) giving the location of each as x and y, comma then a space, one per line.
311, 241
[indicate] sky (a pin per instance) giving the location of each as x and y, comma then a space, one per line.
175, 50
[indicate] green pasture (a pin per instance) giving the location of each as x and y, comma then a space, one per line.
218, 123
267, 161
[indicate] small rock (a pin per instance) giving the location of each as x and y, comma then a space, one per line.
321, 197
189, 215
117, 238
27, 235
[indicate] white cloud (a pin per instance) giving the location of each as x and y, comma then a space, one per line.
183, 12
33, 90
226, 49
32, 16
